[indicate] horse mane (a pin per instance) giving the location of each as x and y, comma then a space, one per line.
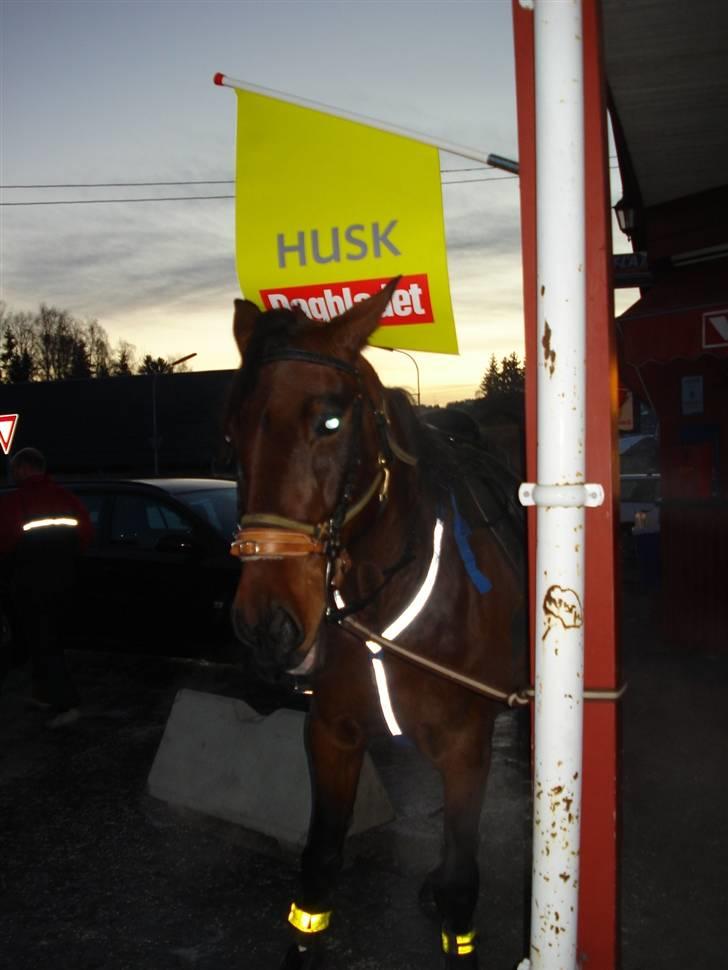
439, 469
472, 472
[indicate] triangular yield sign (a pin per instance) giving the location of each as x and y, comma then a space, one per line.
7, 430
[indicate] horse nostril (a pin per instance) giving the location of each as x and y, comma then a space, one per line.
284, 633
272, 640
244, 633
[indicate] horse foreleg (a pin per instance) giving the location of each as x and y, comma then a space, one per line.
456, 882
335, 759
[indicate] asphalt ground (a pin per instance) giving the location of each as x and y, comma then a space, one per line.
94, 873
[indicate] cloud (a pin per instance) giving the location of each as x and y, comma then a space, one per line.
93, 262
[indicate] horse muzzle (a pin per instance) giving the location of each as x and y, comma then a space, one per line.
289, 563
276, 642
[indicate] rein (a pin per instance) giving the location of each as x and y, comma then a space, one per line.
517, 698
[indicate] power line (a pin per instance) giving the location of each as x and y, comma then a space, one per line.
191, 198
188, 198
113, 185
151, 182
169, 198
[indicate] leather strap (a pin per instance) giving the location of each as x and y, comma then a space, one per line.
251, 544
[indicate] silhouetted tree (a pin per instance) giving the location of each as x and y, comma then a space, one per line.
99, 352
505, 380
18, 342
491, 379
155, 365
80, 360
123, 361
53, 345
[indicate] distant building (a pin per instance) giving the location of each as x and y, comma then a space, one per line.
105, 427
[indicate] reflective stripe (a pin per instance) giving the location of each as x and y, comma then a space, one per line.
44, 523
385, 702
399, 625
460, 944
308, 922
422, 595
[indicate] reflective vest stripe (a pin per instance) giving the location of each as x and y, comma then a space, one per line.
54, 520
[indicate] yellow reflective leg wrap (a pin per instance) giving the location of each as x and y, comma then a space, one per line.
460, 944
308, 922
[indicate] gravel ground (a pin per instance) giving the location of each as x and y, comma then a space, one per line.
97, 874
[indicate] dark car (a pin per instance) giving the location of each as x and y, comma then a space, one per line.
158, 575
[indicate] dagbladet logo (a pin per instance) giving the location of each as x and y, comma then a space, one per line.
410, 302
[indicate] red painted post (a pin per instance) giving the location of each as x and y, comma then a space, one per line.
598, 899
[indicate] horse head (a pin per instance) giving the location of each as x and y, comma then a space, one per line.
305, 418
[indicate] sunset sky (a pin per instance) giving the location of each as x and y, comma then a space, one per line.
99, 95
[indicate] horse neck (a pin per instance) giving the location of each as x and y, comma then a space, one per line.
396, 535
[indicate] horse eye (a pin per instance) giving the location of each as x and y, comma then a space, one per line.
328, 424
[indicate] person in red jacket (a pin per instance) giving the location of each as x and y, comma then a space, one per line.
43, 528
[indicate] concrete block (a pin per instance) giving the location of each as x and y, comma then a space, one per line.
220, 757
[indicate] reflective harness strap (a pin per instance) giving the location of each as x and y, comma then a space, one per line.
398, 626
308, 922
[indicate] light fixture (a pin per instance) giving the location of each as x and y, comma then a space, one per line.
625, 213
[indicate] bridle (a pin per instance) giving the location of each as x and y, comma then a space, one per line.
265, 535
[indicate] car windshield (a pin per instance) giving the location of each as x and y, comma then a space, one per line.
219, 506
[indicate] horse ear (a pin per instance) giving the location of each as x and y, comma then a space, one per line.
354, 327
244, 317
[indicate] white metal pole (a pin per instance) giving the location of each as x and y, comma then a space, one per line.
446, 146
561, 492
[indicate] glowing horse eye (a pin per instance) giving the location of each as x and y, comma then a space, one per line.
332, 424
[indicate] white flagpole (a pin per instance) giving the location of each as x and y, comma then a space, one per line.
464, 151
561, 493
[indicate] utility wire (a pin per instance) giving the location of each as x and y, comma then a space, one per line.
191, 198
148, 182
169, 198
115, 185
188, 198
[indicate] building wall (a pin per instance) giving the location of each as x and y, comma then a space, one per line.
104, 427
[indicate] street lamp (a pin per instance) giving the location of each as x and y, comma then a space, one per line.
398, 351
626, 216
155, 436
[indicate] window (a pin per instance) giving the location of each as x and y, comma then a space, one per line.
219, 506
94, 502
142, 520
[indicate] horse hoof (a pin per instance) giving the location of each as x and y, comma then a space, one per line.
296, 959
426, 898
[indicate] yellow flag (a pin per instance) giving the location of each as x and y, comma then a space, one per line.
329, 210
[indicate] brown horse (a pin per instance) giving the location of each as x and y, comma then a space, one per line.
350, 510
